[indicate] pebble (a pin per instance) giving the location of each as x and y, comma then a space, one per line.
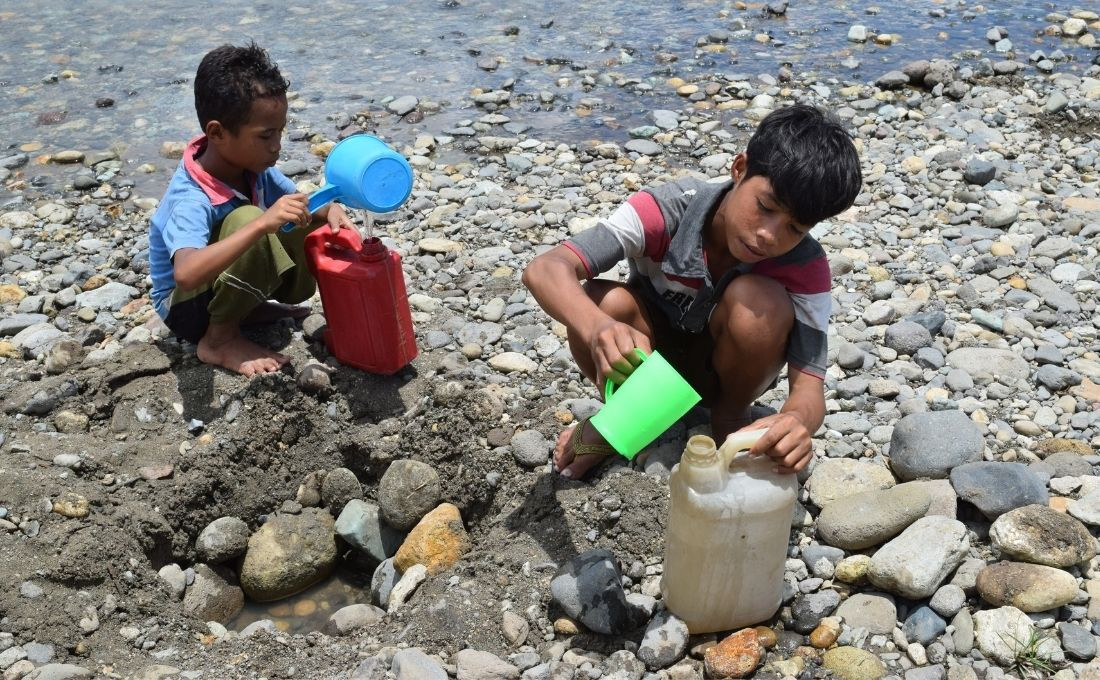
222, 540
410, 579
874, 612
288, 554
852, 663
664, 642
339, 487
351, 618
530, 448
360, 525
999, 634
836, 478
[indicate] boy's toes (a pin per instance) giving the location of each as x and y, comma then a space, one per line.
563, 449
580, 466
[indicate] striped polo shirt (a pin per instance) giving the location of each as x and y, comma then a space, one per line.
660, 231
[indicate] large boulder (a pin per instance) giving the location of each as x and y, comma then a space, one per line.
929, 445
995, 487
915, 563
1042, 535
408, 490
289, 554
871, 517
589, 589
1028, 587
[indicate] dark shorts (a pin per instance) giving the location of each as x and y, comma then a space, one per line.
691, 354
190, 318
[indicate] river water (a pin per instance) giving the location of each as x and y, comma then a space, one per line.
57, 60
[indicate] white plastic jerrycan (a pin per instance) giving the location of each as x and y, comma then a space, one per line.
726, 543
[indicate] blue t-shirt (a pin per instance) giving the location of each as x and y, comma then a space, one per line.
193, 205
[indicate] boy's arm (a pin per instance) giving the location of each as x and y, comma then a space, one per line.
554, 279
192, 267
787, 441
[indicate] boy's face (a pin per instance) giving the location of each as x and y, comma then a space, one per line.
753, 223
255, 146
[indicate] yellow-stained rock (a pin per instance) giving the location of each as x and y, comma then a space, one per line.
8, 350
94, 281
73, 505
853, 569
826, 633
9, 292
437, 541
565, 626
851, 663
1047, 447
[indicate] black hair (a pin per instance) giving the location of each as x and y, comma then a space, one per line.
229, 79
809, 159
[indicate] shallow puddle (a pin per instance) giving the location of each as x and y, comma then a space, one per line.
309, 610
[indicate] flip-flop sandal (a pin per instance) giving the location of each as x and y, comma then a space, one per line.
580, 448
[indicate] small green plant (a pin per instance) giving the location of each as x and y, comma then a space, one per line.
1027, 659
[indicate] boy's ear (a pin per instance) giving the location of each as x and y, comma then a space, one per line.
739, 167
215, 130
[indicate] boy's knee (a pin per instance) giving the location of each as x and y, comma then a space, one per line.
758, 302
613, 299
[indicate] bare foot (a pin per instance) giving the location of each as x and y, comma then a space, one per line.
231, 350
266, 312
576, 467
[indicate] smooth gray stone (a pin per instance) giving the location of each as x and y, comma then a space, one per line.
929, 445
414, 664
589, 589
995, 487
17, 322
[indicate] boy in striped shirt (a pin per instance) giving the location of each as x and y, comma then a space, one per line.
724, 280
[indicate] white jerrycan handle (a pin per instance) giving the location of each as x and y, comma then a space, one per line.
738, 445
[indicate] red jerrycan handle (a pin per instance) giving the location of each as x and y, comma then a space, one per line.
344, 239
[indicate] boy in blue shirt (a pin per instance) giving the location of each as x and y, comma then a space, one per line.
216, 252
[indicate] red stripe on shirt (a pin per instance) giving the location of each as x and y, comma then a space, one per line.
653, 225
800, 277
577, 251
685, 280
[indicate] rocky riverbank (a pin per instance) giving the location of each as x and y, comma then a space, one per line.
947, 529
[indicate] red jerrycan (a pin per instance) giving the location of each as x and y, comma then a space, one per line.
363, 293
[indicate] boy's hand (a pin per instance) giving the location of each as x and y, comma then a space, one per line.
787, 441
290, 208
612, 346
338, 218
